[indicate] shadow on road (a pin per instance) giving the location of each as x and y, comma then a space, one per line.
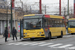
41, 39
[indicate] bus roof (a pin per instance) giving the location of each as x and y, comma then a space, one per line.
54, 16
71, 19
46, 16
30, 15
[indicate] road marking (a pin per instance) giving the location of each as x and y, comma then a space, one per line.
38, 43
64, 46
46, 44
66, 36
18, 43
54, 45
28, 43
33, 43
72, 47
10, 43
59, 45
41, 42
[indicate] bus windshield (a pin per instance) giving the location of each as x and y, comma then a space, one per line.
32, 24
71, 24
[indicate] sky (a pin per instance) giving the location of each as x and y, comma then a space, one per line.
47, 1
52, 5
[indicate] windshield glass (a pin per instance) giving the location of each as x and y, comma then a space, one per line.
32, 24
71, 24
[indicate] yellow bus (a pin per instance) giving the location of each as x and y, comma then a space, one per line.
71, 25
42, 26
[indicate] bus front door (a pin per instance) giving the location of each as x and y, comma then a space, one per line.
21, 29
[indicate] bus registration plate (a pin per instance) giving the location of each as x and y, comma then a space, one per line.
33, 37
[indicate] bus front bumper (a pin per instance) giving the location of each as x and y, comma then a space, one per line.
34, 37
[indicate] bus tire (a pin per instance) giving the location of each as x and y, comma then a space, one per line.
71, 33
31, 39
49, 35
61, 35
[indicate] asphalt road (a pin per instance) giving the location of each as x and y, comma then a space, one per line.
65, 43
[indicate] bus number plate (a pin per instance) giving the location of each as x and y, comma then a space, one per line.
33, 37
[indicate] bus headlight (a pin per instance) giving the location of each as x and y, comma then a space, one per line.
69, 30
41, 32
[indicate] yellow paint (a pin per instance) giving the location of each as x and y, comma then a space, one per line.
71, 30
56, 31
30, 15
54, 16
33, 33
71, 19
51, 16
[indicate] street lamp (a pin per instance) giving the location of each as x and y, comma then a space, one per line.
68, 8
22, 4
11, 17
60, 7
40, 8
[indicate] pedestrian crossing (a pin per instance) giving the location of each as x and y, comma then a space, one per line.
46, 44
54, 45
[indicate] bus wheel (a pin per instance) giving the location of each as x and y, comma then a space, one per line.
71, 33
31, 39
61, 35
49, 36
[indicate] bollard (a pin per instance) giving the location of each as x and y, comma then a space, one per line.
8, 35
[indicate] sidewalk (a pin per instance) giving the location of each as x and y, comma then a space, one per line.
2, 40
1, 36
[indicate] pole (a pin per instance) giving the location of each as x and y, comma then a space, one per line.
1, 27
40, 7
64, 11
45, 9
7, 15
68, 8
22, 6
14, 14
11, 17
14, 17
74, 8
60, 7
30, 9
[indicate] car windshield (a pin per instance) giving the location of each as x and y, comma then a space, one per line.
71, 24
32, 24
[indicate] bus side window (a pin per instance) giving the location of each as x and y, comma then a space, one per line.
45, 22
